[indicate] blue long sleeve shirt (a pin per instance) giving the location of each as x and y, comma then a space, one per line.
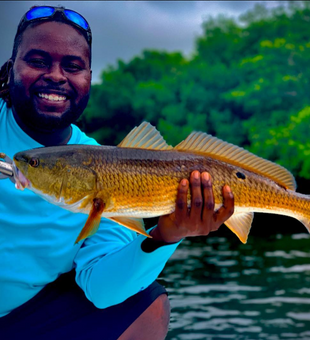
37, 241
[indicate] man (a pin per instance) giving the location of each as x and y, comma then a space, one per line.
44, 89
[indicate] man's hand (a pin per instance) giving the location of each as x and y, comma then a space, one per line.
201, 218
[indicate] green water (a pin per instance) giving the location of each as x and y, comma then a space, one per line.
222, 289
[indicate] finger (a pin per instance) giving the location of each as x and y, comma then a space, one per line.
181, 201
196, 201
227, 209
208, 196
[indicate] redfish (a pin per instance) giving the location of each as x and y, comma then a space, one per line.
139, 178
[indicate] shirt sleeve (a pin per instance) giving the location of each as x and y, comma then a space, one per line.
111, 266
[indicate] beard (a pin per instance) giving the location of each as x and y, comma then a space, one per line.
25, 108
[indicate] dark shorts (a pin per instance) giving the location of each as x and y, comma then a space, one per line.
61, 311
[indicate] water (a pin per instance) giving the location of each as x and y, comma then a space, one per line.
222, 289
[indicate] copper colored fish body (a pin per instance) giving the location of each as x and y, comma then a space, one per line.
139, 179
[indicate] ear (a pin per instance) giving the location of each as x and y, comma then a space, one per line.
9, 68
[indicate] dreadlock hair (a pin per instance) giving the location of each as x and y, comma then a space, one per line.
4, 86
4, 74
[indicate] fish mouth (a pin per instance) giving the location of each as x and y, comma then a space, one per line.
21, 182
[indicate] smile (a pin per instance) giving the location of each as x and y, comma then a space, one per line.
52, 97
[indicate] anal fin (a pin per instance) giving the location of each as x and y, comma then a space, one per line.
92, 224
135, 224
240, 224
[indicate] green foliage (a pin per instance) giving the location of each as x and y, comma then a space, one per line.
247, 83
288, 143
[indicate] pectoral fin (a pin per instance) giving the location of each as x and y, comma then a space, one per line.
92, 224
240, 224
135, 224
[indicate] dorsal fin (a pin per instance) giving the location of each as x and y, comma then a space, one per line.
144, 136
202, 143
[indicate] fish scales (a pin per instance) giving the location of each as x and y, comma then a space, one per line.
134, 175
139, 178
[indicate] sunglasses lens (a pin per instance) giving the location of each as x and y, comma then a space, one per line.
39, 12
76, 18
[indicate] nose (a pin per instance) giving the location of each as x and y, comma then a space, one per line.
55, 74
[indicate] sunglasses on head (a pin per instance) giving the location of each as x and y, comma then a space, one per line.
41, 13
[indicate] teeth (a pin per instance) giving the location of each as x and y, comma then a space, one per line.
52, 97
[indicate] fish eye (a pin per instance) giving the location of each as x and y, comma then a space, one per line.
240, 175
34, 162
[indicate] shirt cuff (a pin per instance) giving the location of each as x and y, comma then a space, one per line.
149, 245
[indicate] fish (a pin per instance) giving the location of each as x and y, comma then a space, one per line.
139, 177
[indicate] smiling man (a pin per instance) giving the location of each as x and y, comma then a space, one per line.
50, 86
104, 287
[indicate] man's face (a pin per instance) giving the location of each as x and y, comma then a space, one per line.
50, 78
